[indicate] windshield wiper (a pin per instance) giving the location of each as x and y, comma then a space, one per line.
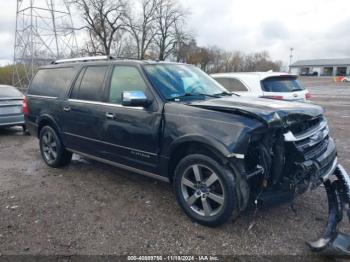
224, 94
192, 95
227, 94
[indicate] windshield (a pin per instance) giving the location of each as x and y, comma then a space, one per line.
282, 84
177, 80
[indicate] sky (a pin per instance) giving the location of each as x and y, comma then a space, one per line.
314, 28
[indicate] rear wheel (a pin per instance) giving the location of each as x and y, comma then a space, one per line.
52, 149
205, 190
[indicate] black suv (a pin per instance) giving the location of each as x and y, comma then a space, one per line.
173, 122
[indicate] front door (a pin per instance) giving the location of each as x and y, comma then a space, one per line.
131, 134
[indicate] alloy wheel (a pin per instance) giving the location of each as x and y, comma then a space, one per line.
49, 146
203, 190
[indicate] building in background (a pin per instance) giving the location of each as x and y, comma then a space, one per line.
322, 67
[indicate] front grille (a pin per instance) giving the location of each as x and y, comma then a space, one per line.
302, 127
314, 139
316, 150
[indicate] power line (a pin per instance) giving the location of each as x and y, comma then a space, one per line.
44, 32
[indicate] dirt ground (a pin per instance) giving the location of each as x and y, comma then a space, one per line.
90, 208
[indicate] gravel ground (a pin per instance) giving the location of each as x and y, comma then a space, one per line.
90, 208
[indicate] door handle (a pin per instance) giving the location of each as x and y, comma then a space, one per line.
66, 109
110, 115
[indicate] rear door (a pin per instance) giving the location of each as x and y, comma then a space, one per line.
82, 117
284, 87
130, 134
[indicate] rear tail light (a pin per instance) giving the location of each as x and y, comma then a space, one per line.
25, 106
273, 97
308, 96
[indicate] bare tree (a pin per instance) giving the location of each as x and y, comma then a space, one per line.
143, 29
237, 62
185, 50
183, 38
260, 61
214, 59
104, 21
170, 21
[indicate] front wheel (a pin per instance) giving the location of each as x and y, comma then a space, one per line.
52, 149
206, 190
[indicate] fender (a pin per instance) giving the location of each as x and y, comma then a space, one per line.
49, 118
209, 141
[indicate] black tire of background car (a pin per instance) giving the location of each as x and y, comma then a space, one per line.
25, 130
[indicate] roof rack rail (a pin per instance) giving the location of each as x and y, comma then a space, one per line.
83, 59
126, 58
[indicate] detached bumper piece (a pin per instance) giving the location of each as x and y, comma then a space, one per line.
332, 242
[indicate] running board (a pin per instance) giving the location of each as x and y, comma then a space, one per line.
128, 168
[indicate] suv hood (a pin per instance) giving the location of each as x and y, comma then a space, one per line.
268, 111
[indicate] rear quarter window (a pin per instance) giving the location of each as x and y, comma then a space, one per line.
232, 84
52, 82
281, 84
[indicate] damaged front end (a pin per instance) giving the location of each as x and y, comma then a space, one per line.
294, 155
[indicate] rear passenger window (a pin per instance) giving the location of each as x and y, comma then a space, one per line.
125, 78
232, 84
89, 84
52, 82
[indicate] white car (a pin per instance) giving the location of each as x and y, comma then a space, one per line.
271, 85
346, 79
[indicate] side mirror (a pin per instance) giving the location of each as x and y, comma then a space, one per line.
134, 99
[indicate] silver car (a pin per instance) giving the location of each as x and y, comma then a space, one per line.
11, 107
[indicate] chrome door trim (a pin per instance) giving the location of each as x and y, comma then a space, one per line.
43, 97
104, 104
129, 168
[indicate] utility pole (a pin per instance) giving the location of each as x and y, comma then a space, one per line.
291, 59
44, 33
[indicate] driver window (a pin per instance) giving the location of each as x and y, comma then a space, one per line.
125, 78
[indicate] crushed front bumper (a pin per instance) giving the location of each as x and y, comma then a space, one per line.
332, 242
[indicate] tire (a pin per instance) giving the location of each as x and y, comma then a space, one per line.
206, 190
25, 130
52, 150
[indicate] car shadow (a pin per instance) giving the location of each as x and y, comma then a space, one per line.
247, 218
10, 131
